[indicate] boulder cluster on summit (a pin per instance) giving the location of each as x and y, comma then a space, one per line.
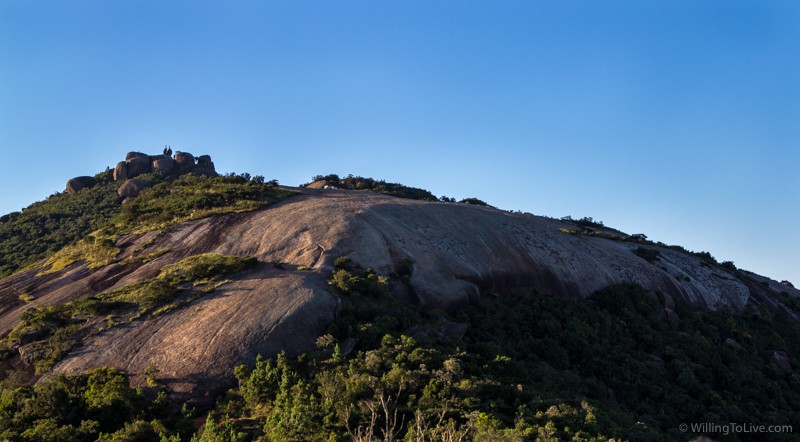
138, 163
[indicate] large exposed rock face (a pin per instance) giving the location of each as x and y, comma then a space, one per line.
459, 253
80, 183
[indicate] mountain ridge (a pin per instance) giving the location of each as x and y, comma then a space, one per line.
438, 256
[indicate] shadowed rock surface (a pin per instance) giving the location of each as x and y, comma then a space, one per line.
184, 159
163, 165
138, 166
121, 171
79, 183
458, 253
131, 188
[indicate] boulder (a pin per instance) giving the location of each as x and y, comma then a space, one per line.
781, 360
138, 166
79, 183
165, 165
733, 344
184, 159
131, 188
132, 155
204, 160
121, 171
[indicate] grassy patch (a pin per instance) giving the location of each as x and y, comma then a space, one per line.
95, 250
191, 197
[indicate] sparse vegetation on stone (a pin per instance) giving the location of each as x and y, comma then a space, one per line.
192, 197
45, 334
649, 255
474, 202
378, 186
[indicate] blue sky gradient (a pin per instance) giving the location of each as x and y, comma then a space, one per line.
678, 119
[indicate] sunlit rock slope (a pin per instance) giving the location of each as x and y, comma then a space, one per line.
457, 252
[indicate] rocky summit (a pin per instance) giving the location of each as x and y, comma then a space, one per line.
138, 163
185, 280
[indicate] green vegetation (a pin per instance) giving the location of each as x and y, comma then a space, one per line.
525, 367
359, 183
475, 202
530, 367
84, 226
94, 249
649, 255
191, 197
99, 405
45, 227
46, 334
586, 221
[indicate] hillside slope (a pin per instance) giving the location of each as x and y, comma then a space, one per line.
457, 253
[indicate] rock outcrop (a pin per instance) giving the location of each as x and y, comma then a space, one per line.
79, 183
138, 163
457, 253
184, 159
205, 166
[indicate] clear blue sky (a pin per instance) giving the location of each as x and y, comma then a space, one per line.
677, 119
